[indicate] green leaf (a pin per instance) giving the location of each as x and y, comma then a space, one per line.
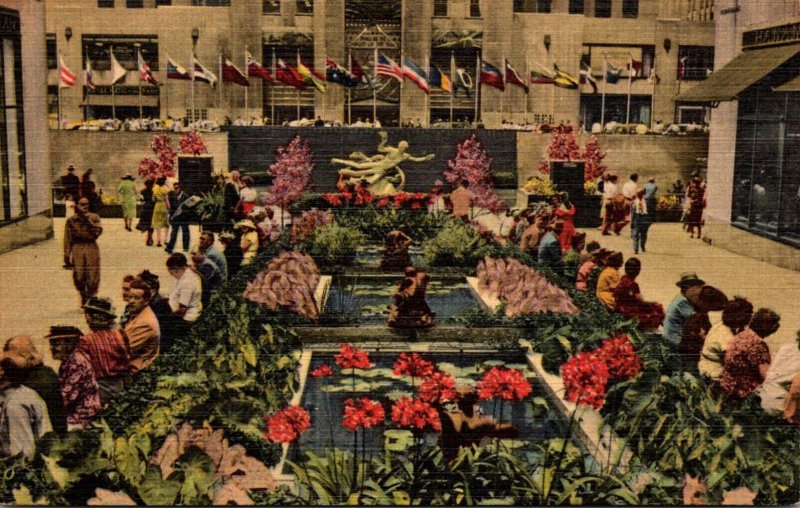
156, 491
60, 475
397, 440
715, 477
249, 352
198, 471
22, 497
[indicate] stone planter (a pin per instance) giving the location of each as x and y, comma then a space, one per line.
526, 199
668, 215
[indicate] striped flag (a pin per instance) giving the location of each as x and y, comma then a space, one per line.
491, 75
201, 73
512, 77
66, 78
256, 70
87, 76
310, 76
564, 80
388, 67
541, 77
415, 74
145, 74
439, 79
175, 71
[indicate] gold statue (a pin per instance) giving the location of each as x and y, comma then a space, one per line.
381, 173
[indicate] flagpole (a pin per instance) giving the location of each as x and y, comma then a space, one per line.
246, 114
428, 95
221, 80
113, 96
603, 100
60, 65
297, 90
553, 103
654, 77
349, 96
193, 103
452, 83
527, 94
630, 81
477, 83
374, 91
503, 91
141, 107
86, 75
272, 90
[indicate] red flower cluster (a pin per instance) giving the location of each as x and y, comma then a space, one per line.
362, 413
323, 370
438, 389
359, 196
165, 165
192, 143
414, 366
415, 414
620, 357
503, 383
585, 377
288, 424
352, 358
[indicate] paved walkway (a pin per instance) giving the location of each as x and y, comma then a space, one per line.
35, 292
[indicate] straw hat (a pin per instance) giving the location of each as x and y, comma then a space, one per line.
689, 279
247, 223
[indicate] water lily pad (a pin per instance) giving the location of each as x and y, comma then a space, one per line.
360, 387
493, 363
396, 395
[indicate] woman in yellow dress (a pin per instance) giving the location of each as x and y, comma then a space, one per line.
160, 221
609, 279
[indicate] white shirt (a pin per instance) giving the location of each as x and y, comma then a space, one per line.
785, 365
248, 194
610, 190
629, 189
187, 292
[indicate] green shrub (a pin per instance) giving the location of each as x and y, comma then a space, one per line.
334, 245
456, 244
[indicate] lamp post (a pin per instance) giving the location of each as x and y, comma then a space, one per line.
195, 36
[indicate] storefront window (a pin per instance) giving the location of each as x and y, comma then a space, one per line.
13, 199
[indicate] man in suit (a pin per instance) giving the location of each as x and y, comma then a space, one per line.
178, 217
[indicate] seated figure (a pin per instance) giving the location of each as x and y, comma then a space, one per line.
409, 308
395, 254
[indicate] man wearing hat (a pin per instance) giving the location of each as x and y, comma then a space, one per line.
71, 184
107, 347
178, 201
80, 243
75, 376
680, 308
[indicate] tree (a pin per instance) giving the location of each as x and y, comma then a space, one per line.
192, 144
291, 173
593, 156
563, 147
473, 164
151, 169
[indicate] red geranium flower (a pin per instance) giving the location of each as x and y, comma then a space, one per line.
416, 205
352, 358
438, 389
585, 377
323, 370
288, 424
414, 366
620, 356
333, 199
503, 383
415, 414
383, 201
362, 413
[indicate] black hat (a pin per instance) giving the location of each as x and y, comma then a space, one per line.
61, 332
100, 305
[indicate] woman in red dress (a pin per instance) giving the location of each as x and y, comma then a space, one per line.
695, 193
565, 212
630, 303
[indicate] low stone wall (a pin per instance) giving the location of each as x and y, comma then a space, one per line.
745, 243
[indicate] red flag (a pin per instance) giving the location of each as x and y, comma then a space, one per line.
66, 78
145, 74
513, 77
256, 70
287, 74
491, 75
232, 74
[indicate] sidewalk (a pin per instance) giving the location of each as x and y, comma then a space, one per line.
35, 292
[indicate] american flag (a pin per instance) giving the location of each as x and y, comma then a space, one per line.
388, 67
145, 74
66, 78
87, 75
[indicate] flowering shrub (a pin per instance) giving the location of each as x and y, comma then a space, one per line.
413, 365
585, 377
350, 357
305, 226
415, 414
503, 383
439, 388
291, 173
192, 143
151, 169
323, 370
668, 203
288, 282
541, 186
360, 196
474, 165
593, 155
620, 357
288, 424
363, 412
590, 187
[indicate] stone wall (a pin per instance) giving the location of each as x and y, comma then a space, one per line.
112, 154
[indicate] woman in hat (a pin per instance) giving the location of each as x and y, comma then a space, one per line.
127, 193
76, 376
695, 193
249, 241
160, 221
146, 217
609, 279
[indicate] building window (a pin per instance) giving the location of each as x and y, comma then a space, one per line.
630, 8
97, 49
305, 7
52, 52
540, 6
474, 8
576, 6
134, 4
271, 7
199, 114
211, 3
602, 9
695, 62
13, 195
440, 8
163, 2
105, 3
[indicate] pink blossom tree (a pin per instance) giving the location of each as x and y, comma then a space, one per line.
291, 173
593, 156
149, 168
563, 147
473, 164
193, 143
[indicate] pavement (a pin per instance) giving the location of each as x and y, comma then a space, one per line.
36, 292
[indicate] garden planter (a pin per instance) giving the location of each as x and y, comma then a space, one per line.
526, 199
587, 211
668, 215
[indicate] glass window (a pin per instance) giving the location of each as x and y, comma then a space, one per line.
52, 53
305, 7
211, 3
440, 8
576, 6
602, 9
96, 47
475, 8
695, 62
163, 2
630, 8
105, 3
271, 7
134, 4
542, 6
13, 199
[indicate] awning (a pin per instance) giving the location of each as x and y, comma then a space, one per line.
739, 74
793, 85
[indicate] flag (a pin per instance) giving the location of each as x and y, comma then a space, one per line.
175, 71
612, 73
388, 67
635, 67
564, 80
256, 70
541, 77
586, 76
87, 76
66, 78
462, 80
415, 74
491, 75
201, 72
682, 67
358, 72
232, 74
117, 71
653, 77
145, 74
439, 79
335, 73
310, 75
512, 77
288, 75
